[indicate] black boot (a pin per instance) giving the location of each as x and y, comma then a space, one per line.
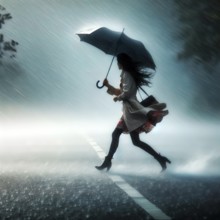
106, 164
162, 161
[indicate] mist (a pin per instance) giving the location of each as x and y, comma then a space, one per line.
52, 79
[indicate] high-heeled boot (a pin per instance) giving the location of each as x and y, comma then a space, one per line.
106, 164
162, 161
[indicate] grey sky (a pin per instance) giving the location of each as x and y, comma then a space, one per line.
57, 69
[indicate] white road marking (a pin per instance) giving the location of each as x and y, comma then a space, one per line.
138, 198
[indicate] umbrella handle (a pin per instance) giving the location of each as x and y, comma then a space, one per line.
97, 85
100, 87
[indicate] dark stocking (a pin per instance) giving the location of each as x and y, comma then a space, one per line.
137, 142
115, 141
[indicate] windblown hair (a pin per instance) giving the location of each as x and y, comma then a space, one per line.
140, 75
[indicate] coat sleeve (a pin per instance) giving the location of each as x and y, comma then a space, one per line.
127, 85
113, 91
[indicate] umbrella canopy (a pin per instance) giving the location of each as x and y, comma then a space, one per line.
113, 43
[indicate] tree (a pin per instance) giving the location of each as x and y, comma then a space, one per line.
199, 32
6, 46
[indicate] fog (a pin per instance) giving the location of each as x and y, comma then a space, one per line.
52, 79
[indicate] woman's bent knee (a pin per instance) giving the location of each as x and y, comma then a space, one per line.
116, 133
135, 143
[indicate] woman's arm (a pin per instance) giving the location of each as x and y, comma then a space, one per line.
111, 90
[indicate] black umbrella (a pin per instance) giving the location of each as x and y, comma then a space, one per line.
113, 43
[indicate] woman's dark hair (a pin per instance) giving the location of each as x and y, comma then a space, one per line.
140, 75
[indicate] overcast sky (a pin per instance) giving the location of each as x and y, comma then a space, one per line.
55, 69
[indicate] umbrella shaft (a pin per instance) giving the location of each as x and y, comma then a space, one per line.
110, 67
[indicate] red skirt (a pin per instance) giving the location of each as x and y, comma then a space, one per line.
153, 117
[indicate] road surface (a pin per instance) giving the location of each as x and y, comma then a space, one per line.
55, 178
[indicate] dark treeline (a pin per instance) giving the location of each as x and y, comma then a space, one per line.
199, 32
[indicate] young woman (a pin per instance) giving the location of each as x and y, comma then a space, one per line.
136, 118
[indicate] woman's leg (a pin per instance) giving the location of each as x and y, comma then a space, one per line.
113, 147
144, 146
115, 141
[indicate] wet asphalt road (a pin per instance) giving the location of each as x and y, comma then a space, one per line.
60, 182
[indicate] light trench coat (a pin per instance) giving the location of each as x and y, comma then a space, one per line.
134, 114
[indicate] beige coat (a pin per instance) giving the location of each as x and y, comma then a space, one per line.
134, 114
